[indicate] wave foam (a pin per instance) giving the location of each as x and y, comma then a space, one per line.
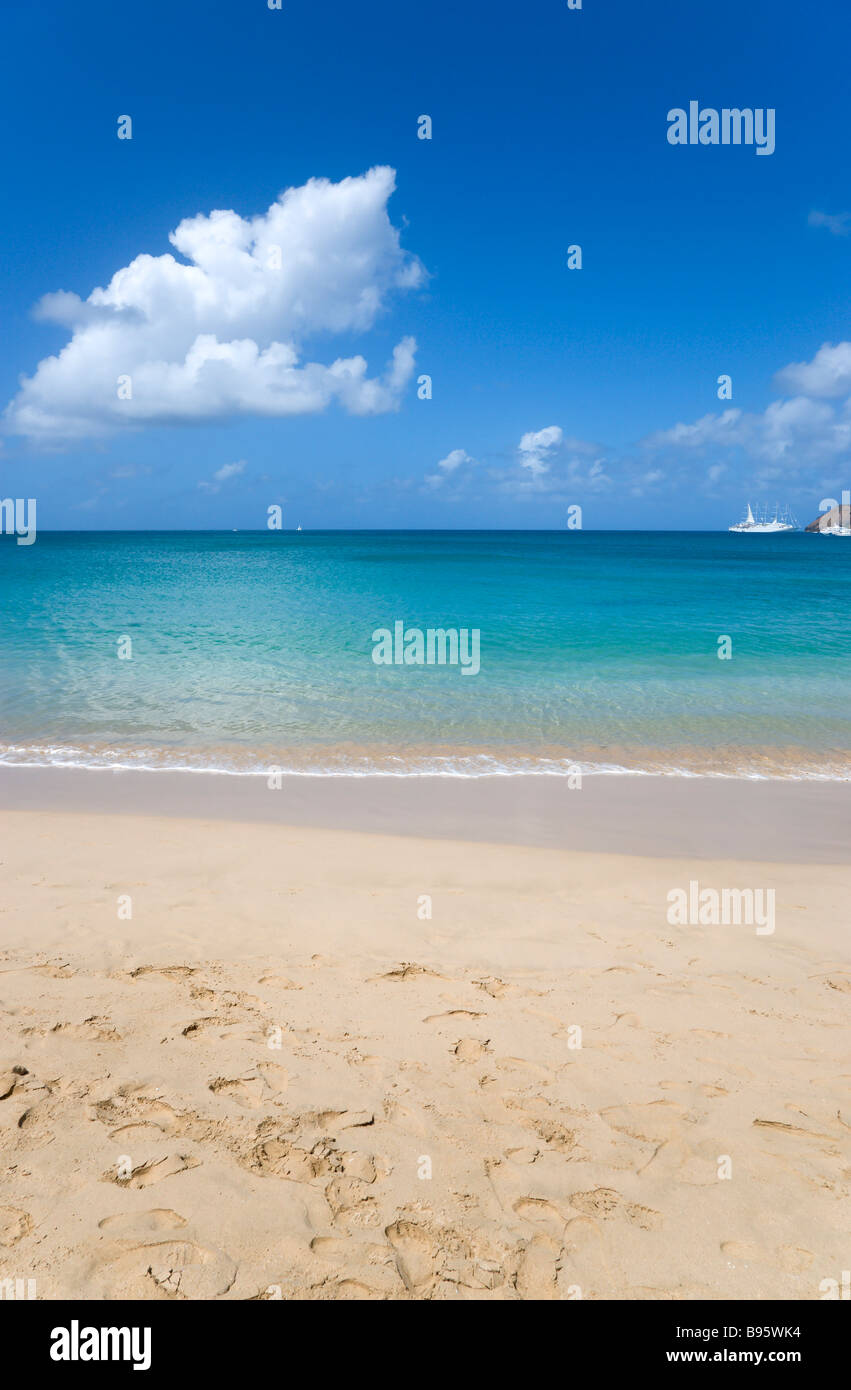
696, 763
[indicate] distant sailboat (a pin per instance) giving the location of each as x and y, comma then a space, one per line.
760, 523
748, 523
298, 528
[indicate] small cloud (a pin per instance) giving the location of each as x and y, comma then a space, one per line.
536, 448
582, 474
454, 460
709, 429
649, 479
838, 224
228, 470
828, 375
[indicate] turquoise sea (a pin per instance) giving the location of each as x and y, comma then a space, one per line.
597, 649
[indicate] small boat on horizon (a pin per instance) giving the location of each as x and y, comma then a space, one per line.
762, 525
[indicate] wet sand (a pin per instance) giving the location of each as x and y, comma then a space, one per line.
699, 818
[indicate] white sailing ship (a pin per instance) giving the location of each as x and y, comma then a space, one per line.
763, 525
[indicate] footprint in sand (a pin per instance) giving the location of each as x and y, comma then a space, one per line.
415, 1254
531, 1073
176, 1269
14, 1225
600, 1203
277, 1078
406, 1118
604, 1202
282, 1159
346, 1196
137, 1225
532, 1114
92, 1029
408, 970
247, 1092
139, 1105
353, 1289
227, 999
495, 987
218, 1026
331, 1247
584, 1261
539, 1212
344, 1119
537, 1269
652, 1123
154, 1170
358, 1165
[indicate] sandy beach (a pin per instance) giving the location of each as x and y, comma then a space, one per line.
318, 1062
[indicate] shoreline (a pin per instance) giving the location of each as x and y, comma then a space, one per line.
647, 816
462, 761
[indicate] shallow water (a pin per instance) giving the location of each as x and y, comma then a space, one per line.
597, 649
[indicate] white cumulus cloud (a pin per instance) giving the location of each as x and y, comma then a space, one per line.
222, 331
805, 428
828, 375
536, 448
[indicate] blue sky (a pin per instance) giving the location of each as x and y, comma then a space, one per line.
549, 130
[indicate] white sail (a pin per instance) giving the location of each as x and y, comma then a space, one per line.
760, 523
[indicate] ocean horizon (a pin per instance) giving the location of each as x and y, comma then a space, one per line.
237, 652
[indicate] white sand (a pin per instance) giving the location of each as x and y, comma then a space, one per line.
161, 1139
